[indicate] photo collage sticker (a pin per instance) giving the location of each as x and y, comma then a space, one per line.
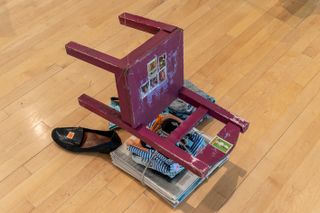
157, 73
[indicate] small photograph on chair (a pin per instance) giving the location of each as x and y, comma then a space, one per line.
144, 89
152, 67
221, 144
163, 61
154, 82
162, 75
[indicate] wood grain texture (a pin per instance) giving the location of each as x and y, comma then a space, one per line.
260, 59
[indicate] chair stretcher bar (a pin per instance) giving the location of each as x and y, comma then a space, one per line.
187, 125
199, 165
160, 144
213, 109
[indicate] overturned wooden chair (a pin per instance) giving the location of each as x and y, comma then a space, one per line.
148, 79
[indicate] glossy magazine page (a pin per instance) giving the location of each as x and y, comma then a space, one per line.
173, 190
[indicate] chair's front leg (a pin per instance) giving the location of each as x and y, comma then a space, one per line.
95, 57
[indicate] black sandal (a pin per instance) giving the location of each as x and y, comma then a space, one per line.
78, 139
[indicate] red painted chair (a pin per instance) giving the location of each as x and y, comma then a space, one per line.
148, 79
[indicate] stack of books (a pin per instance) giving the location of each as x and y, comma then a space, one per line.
174, 190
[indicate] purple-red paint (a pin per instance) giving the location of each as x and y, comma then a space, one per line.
136, 111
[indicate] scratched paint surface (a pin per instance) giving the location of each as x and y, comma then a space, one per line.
133, 71
145, 107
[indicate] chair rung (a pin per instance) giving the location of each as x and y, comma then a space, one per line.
211, 155
173, 152
214, 110
187, 125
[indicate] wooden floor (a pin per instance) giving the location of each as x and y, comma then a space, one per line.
258, 58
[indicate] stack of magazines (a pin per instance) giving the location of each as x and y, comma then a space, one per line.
174, 190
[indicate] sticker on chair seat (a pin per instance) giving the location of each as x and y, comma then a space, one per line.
221, 144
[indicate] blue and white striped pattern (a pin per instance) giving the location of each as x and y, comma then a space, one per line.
194, 143
148, 155
198, 142
159, 162
156, 164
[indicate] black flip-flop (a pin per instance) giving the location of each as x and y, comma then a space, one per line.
74, 139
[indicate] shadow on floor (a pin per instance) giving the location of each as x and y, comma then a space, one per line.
222, 190
294, 6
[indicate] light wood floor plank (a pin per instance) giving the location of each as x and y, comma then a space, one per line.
258, 58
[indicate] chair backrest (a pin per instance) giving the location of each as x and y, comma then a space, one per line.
149, 78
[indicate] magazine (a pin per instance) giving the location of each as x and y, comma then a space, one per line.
173, 190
